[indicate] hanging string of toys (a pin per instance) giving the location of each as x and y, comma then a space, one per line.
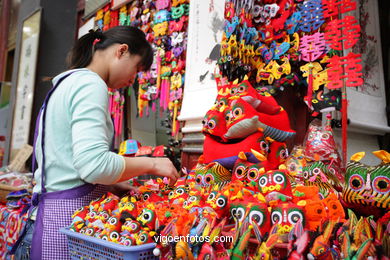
284, 42
165, 26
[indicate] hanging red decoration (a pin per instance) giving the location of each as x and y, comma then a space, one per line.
346, 68
332, 7
342, 33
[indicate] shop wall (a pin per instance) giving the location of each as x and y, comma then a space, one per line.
143, 129
368, 138
57, 35
4, 22
384, 20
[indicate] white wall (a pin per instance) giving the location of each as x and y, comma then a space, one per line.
4, 115
358, 142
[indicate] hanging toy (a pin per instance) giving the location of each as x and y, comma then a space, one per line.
106, 18
117, 104
114, 21
312, 47
123, 17
312, 16
145, 20
134, 11
326, 102
292, 23
99, 19
162, 4
165, 87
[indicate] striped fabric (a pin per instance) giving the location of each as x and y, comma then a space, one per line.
367, 185
277, 134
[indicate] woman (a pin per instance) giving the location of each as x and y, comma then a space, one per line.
75, 133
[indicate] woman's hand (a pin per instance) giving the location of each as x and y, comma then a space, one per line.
159, 166
163, 167
121, 188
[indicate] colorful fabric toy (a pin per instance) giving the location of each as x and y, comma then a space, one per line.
129, 147
322, 248
127, 240
275, 185
318, 172
285, 215
113, 224
130, 226
179, 194
243, 120
213, 173
334, 209
319, 142
223, 197
256, 211
313, 175
262, 104
253, 175
264, 250
127, 207
214, 150
295, 163
368, 185
147, 218
144, 237
195, 200
80, 214
278, 152
214, 125
240, 169
326, 102
315, 213
109, 203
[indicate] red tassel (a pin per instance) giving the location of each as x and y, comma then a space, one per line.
166, 95
310, 89
309, 95
162, 94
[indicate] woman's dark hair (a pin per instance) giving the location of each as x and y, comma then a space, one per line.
81, 53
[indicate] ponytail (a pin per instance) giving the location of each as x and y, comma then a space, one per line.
82, 52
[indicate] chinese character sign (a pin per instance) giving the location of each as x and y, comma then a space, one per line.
342, 33
332, 7
346, 68
312, 46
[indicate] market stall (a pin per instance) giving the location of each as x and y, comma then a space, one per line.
255, 191
249, 196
